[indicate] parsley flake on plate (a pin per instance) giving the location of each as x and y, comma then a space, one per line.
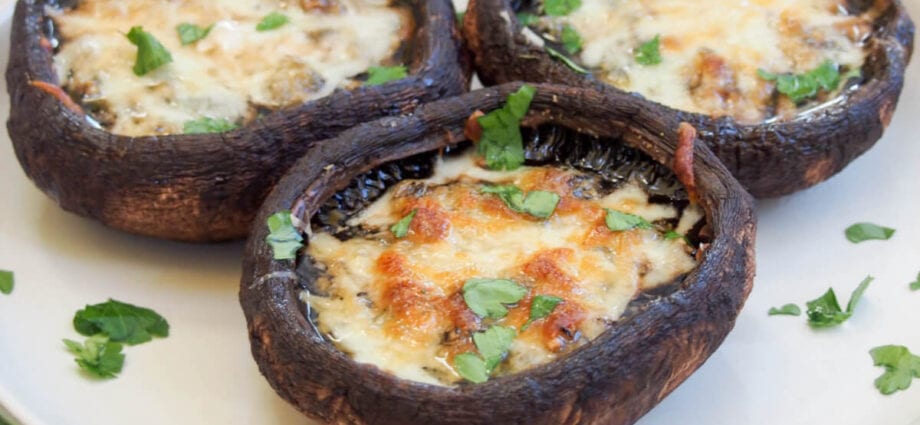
901, 367
150, 53
501, 144
487, 297
786, 310
401, 228
205, 125
283, 237
825, 311
377, 75
620, 221
98, 356
915, 285
272, 21
649, 53
541, 307
538, 203
7, 282
190, 33
861, 232
120, 322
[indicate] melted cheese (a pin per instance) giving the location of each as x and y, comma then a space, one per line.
712, 50
396, 303
231, 74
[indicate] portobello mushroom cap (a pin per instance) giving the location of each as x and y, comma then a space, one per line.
770, 159
200, 188
613, 379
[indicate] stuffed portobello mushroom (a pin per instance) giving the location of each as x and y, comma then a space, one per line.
785, 93
174, 119
520, 254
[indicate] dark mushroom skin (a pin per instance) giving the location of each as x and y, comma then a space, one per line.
200, 188
770, 159
614, 379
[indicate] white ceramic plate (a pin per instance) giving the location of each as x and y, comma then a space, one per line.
771, 370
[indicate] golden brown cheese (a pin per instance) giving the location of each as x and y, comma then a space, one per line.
398, 304
231, 74
712, 50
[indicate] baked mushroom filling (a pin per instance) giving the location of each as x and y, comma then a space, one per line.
750, 60
458, 273
153, 67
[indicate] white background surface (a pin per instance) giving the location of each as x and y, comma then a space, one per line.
771, 370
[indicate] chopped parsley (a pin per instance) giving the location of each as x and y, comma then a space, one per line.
205, 125
492, 345
501, 144
560, 7
401, 228
487, 297
150, 53
567, 61
800, 87
190, 33
120, 322
540, 307
377, 75
283, 237
786, 310
649, 53
914, 286
901, 367
98, 356
861, 232
7, 282
825, 311
619, 221
471, 367
272, 21
527, 18
537, 203
571, 39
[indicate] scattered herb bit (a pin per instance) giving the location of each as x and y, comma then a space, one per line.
493, 344
825, 311
98, 356
501, 143
619, 221
486, 297
150, 53
914, 286
540, 307
861, 232
401, 228
649, 53
120, 322
283, 237
471, 367
6, 282
537, 203
377, 75
786, 310
567, 61
526, 19
460, 16
190, 33
901, 367
800, 87
560, 7
272, 21
670, 235
207, 125
571, 39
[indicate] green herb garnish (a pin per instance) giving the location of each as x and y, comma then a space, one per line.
150, 53
460, 16
619, 221
98, 356
487, 297
537, 203
571, 39
901, 367
540, 307
283, 237
526, 19
401, 228
649, 53
825, 311
560, 7
471, 367
786, 310
190, 33
7, 282
567, 61
120, 322
272, 21
799, 87
377, 75
861, 232
493, 345
915, 285
502, 145
207, 125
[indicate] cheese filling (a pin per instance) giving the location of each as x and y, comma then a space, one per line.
398, 303
234, 73
711, 51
